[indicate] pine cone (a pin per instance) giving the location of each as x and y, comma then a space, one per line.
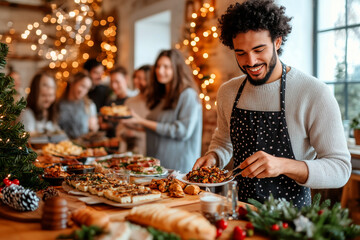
20, 198
50, 192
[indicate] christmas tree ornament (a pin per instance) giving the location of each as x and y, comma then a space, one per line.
20, 198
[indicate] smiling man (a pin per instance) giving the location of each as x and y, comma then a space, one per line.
280, 125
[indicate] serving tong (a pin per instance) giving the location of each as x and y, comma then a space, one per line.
230, 174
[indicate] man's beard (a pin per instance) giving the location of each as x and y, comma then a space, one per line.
272, 65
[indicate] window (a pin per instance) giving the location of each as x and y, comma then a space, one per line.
337, 51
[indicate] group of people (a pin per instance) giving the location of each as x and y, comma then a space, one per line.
282, 127
166, 110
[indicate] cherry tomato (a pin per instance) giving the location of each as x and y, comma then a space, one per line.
249, 225
239, 233
222, 224
1, 189
16, 181
7, 182
320, 212
275, 227
285, 225
242, 212
218, 232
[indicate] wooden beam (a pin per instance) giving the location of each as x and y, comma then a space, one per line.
43, 8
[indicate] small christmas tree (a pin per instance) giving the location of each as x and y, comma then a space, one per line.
16, 160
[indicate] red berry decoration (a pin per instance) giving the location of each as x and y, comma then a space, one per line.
218, 232
285, 225
239, 233
242, 212
320, 212
7, 182
275, 227
16, 181
249, 225
222, 224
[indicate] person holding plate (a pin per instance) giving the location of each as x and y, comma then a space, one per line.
282, 127
174, 124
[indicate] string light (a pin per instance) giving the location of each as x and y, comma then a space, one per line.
73, 24
200, 33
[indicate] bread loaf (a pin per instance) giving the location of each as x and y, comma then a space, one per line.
89, 217
185, 224
192, 189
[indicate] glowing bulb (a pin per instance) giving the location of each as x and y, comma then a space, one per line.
201, 95
208, 106
213, 76
191, 58
33, 47
207, 98
195, 72
194, 15
30, 27
205, 55
205, 34
36, 24
192, 24
186, 42
213, 28
207, 5
215, 35
211, 9
193, 43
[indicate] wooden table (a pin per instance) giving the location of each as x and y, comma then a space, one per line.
17, 230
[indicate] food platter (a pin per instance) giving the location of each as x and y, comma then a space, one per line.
164, 172
93, 199
182, 177
115, 117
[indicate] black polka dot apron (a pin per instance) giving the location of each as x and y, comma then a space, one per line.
253, 131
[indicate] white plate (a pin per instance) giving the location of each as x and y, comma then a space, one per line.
90, 199
165, 171
182, 177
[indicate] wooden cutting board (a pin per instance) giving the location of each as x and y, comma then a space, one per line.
35, 216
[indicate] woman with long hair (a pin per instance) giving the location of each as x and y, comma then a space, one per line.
77, 113
40, 115
174, 124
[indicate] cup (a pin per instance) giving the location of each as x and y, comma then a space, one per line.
210, 204
123, 175
228, 208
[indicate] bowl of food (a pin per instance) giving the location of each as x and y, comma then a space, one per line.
55, 175
80, 169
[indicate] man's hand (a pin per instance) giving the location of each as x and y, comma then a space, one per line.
205, 161
264, 165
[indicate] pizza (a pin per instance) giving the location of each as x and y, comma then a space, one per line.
112, 189
137, 164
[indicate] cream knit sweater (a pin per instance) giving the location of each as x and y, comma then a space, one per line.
313, 119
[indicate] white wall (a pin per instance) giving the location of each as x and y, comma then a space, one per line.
152, 34
298, 49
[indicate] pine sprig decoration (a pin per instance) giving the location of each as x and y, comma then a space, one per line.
16, 159
280, 219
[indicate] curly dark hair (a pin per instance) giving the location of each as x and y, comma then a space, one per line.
254, 15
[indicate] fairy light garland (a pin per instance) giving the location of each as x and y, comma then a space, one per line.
199, 33
72, 43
